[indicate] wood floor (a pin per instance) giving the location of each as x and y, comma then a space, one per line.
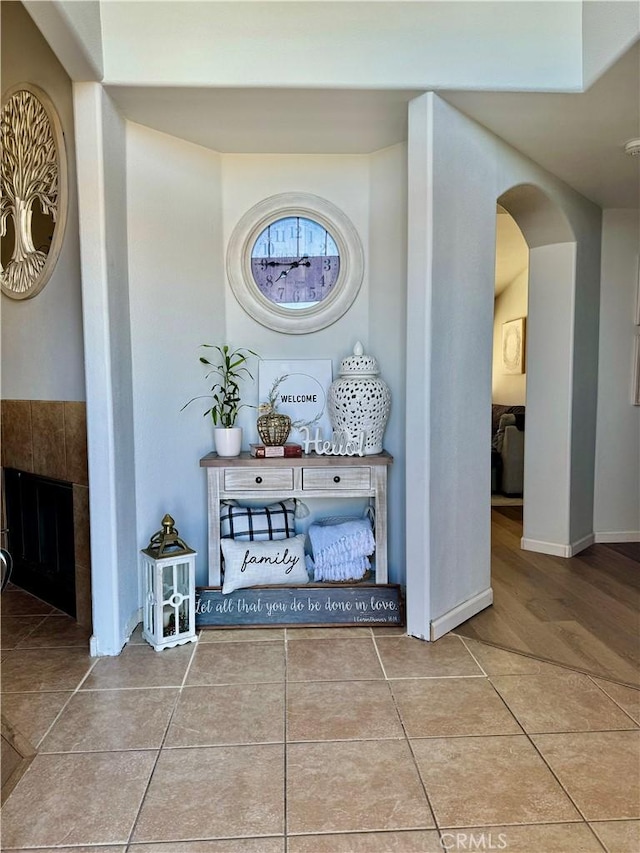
580, 612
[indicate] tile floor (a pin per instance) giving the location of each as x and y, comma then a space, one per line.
311, 741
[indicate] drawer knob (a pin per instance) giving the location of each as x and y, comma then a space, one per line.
258, 480
336, 479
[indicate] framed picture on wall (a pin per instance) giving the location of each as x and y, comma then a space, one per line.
513, 346
299, 389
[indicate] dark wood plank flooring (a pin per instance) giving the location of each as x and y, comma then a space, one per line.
581, 612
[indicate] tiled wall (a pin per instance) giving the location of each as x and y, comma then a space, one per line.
49, 438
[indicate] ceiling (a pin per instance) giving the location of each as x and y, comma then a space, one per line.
578, 137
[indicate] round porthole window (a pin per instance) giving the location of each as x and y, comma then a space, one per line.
295, 263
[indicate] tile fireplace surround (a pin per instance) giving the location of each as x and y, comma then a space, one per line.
49, 438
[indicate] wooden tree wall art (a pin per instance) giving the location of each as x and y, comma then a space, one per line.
33, 184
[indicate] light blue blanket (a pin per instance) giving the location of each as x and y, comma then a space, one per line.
341, 551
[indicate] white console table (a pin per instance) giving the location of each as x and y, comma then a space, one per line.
312, 476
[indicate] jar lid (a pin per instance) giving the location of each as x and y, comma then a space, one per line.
359, 364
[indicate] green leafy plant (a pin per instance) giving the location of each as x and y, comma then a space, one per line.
229, 370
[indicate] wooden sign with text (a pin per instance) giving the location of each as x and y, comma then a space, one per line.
318, 605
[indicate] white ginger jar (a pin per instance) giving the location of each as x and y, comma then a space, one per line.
360, 401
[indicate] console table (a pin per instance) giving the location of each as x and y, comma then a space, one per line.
311, 476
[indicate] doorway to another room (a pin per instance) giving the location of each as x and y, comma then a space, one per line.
509, 379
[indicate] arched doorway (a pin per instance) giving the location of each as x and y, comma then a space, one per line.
458, 173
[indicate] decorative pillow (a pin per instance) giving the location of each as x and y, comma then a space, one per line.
256, 563
254, 524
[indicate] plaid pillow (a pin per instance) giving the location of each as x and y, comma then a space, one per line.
276, 521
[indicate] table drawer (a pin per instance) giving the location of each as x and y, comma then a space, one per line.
335, 478
258, 479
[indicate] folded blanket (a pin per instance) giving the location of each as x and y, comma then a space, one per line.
341, 550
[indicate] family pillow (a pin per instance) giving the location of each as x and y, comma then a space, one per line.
248, 563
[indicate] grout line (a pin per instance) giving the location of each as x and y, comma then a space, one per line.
407, 739
285, 748
482, 669
556, 777
64, 707
377, 650
162, 743
600, 687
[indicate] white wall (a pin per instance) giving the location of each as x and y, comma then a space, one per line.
178, 297
100, 138
457, 172
42, 348
510, 304
179, 226
608, 29
617, 491
370, 44
388, 325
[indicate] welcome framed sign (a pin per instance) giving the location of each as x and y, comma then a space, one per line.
297, 388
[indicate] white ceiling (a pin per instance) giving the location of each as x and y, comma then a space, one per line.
578, 137
271, 121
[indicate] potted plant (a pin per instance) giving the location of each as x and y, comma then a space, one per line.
228, 371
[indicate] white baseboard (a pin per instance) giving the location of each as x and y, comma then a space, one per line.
94, 648
618, 536
556, 549
459, 614
132, 624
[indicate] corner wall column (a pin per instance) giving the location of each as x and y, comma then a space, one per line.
100, 146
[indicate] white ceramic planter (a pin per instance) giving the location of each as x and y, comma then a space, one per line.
228, 440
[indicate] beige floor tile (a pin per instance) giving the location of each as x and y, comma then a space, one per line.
20, 603
627, 697
76, 799
391, 631
599, 770
352, 632
332, 660
237, 663
228, 845
13, 629
25, 670
111, 848
233, 713
497, 661
442, 707
223, 792
354, 786
407, 657
56, 631
141, 666
112, 720
417, 841
136, 638
33, 713
546, 838
341, 710
619, 836
489, 781
570, 702
238, 635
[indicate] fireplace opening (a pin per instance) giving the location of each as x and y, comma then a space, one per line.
41, 537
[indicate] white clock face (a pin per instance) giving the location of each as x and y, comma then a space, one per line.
295, 262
